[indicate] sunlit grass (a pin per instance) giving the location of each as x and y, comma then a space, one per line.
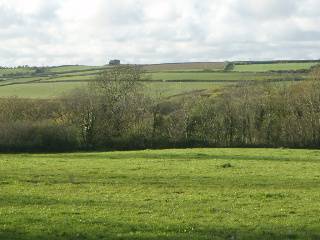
163, 194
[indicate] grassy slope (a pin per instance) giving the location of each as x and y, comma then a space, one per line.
166, 72
47, 90
167, 89
171, 194
221, 76
72, 68
185, 66
274, 67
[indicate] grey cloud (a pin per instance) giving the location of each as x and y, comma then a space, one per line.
186, 30
8, 17
121, 12
267, 9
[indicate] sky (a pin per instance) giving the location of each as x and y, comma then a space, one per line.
59, 32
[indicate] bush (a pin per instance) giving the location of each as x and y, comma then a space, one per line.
37, 137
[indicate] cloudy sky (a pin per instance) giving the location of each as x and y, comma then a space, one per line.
56, 32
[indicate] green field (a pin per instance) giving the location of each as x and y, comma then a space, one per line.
177, 78
72, 68
274, 67
213, 66
222, 76
39, 90
51, 90
170, 89
169, 194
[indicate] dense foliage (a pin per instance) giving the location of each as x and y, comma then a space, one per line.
114, 113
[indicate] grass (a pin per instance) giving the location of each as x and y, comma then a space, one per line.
56, 89
274, 67
71, 68
221, 76
168, 194
74, 78
168, 89
39, 90
185, 66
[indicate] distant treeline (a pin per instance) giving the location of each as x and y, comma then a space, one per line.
114, 113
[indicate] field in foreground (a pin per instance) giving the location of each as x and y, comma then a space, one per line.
169, 194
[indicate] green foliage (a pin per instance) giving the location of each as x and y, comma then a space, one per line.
37, 137
229, 66
169, 194
29, 125
118, 114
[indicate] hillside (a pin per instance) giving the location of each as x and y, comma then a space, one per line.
163, 79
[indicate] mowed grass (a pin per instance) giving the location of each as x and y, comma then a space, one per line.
274, 67
162, 194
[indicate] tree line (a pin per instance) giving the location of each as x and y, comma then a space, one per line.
115, 112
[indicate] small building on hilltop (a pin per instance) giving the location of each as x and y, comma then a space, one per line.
114, 62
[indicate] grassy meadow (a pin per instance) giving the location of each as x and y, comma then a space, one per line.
161, 194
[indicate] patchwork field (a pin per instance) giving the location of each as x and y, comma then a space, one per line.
214, 66
274, 67
56, 89
39, 90
179, 78
169, 194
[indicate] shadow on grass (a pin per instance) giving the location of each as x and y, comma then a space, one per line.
123, 232
184, 156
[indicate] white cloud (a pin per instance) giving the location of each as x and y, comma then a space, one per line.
53, 32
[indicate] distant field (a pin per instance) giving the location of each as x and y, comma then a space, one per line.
173, 89
167, 78
50, 90
222, 76
274, 67
39, 90
244, 194
185, 66
72, 68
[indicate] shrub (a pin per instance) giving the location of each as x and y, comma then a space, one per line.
37, 137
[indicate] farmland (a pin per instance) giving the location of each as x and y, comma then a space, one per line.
39, 90
208, 193
159, 120
172, 78
274, 67
162, 194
